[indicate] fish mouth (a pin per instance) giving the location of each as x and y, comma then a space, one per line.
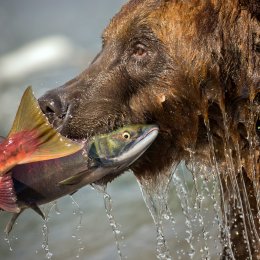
150, 133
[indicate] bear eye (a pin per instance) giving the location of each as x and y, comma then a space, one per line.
139, 51
126, 135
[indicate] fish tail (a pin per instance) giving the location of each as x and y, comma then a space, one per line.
38, 134
8, 199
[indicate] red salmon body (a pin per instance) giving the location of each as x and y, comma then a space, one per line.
31, 139
17, 148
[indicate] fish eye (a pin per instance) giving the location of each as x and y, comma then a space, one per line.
126, 135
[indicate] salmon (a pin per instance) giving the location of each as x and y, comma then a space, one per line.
31, 139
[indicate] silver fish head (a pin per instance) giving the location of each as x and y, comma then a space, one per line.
123, 146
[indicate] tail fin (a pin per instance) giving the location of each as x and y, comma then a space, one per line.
52, 145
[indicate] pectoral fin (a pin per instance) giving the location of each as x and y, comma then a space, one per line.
11, 222
73, 180
14, 217
51, 144
36, 209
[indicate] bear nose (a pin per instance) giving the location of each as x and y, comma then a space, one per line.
52, 106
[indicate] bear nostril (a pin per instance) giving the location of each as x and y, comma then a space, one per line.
52, 106
49, 110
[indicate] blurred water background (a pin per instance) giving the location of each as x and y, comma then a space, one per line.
44, 44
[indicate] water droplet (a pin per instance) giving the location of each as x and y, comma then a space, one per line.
78, 212
49, 255
7, 240
155, 195
114, 225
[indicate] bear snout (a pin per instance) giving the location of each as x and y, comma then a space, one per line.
54, 107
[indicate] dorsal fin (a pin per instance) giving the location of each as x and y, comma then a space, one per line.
52, 145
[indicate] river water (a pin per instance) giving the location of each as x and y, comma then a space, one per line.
79, 227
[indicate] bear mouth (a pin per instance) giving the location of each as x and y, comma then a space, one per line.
72, 125
79, 120
57, 121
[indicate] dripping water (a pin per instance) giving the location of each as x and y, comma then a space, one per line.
247, 216
199, 176
226, 241
200, 187
78, 212
252, 226
156, 199
253, 133
169, 216
232, 174
45, 231
181, 189
56, 208
252, 140
198, 197
114, 225
8, 241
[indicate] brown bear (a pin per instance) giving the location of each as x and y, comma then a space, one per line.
193, 68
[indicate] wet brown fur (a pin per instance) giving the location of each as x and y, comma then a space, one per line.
202, 70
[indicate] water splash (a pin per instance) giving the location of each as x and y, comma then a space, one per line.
169, 216
114, 225
56, 208
216, 173
232, 174
45, 231
252, 226
214, 195
8, 241
236, 173
254, 117
155, 194
200, 197
78, 212
207, 202
181, 188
